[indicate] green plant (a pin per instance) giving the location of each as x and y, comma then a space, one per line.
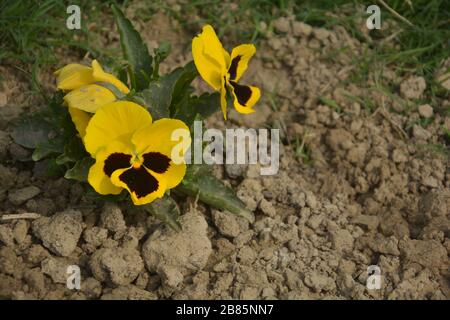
72, 135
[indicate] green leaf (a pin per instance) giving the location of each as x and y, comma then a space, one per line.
46, 148
73, 151
31, 131
166, 210
194, 170
135, 51
80, 170
198, 182
121, 72
184, 77
195, 108
161, 53
155, 99
119, 94
53, 170
163, 93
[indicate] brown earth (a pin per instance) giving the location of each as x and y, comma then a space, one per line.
366, 190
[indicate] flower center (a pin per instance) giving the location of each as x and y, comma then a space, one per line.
137, 161
137, 165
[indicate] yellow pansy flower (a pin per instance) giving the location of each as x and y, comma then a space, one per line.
74, 76
222, 71
131, 152
86, 93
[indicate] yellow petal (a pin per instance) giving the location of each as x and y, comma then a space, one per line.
115, 121
143, 186
209, 70
213, 47
159, 144
80, 119
89, 97
240, 57
210, 57
115, 156
73, 76
158, 136
245, 97
174, 175
100, 181
100, 75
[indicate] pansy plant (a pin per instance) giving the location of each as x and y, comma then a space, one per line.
118, 135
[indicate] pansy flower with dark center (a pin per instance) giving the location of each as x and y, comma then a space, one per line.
222, 71
134, 153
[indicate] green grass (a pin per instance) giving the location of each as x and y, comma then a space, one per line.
425, 43
419, 49
331, 103
26, 33
422, 45
435, 148
416, 49
31, 31
273, 99
302, 150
